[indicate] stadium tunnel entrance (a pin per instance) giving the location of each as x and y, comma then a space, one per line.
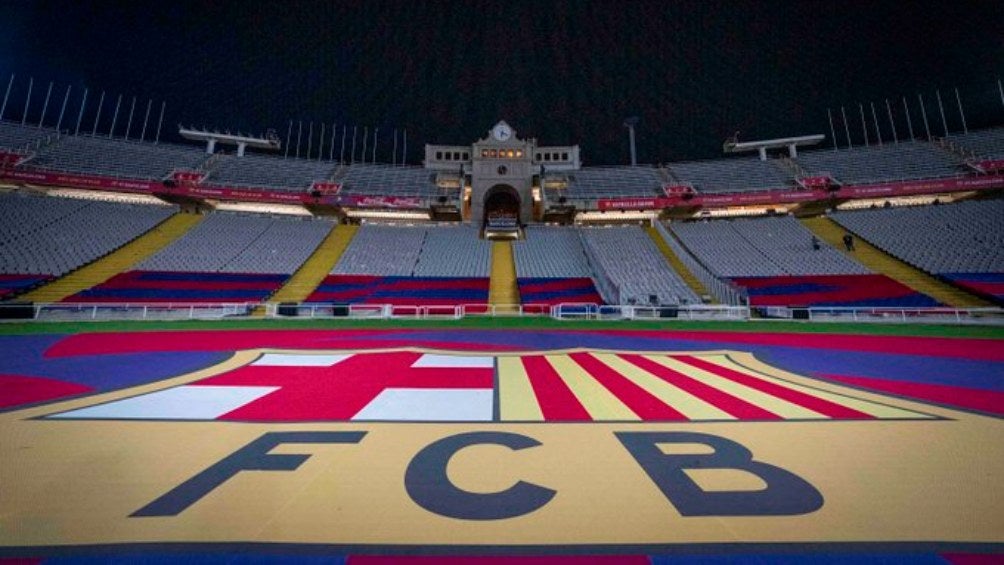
501, 211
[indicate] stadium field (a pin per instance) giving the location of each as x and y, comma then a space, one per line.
510, 440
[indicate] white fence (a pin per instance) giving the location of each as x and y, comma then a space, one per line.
567, 311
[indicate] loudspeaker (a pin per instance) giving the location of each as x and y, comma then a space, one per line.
288, 309
169, 183
315, 193
340, 310
799, 313
17, 311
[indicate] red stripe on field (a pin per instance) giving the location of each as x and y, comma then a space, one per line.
640, 401
989, 401
21, 389
723, 401
498, 560
231, 340
555, 399
820, 405
973, 558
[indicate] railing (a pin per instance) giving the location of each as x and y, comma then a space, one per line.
938, 315
70, 311
725, 292
26, 312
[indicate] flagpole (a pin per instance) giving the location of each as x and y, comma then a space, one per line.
80, 116
878, 132
45, 106
965, 128
331, 151
24, 116
115, 116
847, 126
160, 122
864, 125
941, 108
289, 134
833, 132
149, 105
97, 118
132, 108
892, 124
62, 110
909, 122
10, 83
923, 114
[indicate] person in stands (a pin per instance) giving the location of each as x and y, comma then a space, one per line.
815, 243
849, 241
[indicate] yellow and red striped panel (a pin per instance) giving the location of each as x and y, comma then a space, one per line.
607, 386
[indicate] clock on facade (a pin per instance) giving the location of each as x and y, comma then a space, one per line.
502, 132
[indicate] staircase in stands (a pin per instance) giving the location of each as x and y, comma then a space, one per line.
883, 263
317, 266
504, 290
677, 265
118, 261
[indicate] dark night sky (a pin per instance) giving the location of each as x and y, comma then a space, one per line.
564, 72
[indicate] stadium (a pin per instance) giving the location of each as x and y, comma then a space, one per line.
231, 347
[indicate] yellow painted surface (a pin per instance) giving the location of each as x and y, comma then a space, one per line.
517, 401
317, 266
885, 264
504, 290
118, 261
675, 262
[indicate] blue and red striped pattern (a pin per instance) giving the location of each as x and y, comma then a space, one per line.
547, 291
986, 284
418, 291
832, 290
10, 284
170, 286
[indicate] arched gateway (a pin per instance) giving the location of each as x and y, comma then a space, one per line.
499, 174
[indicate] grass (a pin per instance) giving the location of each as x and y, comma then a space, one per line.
918, 330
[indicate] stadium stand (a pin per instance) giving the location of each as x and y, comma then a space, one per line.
454, 251
268, 171
908, 160
43, 236
775, 261
988, 143
115, 157
388, 180
382, 250
630, 269
226, 258
762, 247
552, 267
404, 291
407, 265
551, 252
613, 182
731, 175
962, 242
241, 243
16, 137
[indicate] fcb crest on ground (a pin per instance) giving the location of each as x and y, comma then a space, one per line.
416, 385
